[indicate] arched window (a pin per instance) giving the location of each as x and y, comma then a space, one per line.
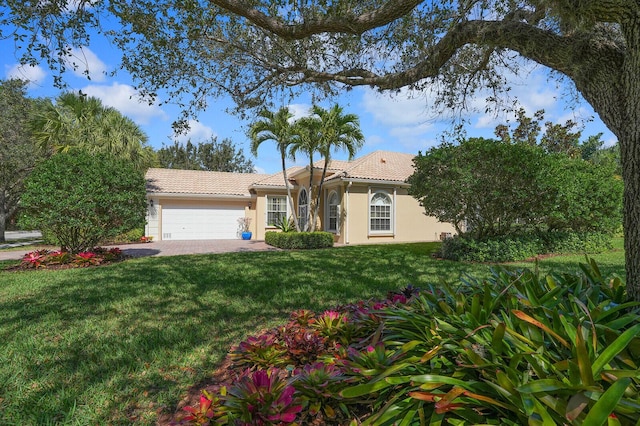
380, 208
303, 208
333, 211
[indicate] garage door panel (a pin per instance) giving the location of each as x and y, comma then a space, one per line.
200, 222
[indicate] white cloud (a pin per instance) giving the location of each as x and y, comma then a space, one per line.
299, 111
83, 61
198, 132
125, 99
374, 140
33, 74
403, 109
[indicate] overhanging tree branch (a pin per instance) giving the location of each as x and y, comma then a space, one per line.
348, 23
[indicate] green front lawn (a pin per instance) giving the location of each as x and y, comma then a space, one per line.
121, 343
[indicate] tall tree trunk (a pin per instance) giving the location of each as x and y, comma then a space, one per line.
630, 156
629, 139
289, 197
625, 123
3, 223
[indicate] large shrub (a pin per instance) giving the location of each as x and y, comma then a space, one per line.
83, 199
522, 246
488, 188
514, 349
299, 240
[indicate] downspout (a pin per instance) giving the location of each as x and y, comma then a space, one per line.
346, 222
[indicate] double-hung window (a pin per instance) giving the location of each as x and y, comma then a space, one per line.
333, 205
276, 209
380, 213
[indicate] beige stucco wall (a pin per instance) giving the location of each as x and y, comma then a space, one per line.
260, 210
409, 223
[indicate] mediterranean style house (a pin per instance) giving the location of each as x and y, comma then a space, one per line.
363, 201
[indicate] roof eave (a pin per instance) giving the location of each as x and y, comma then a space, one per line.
191, 195
397, 183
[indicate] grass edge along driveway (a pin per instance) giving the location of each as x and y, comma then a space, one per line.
122, 343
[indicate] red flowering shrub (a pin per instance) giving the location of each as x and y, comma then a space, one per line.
62, 259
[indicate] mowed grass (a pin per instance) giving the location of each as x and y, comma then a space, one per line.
123, 343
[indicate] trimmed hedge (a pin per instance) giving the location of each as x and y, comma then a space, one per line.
299, 240
523, 246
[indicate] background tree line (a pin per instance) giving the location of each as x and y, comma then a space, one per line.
32, 131
526, 183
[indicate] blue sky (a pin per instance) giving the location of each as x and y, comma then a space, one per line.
403, 122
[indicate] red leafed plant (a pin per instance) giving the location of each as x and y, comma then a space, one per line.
262, 397
62, 259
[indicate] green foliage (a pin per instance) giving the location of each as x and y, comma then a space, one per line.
299, 240
18, 152
510, 350
285, 225
77, 121
133, 236
83, 199
522, 246
498, 188
496, 249
516, 348
212, 155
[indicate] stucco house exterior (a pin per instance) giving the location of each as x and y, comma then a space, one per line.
363, 201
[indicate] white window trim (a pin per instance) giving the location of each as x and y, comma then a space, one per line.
266, 209
326, 212
302, 189
371, 193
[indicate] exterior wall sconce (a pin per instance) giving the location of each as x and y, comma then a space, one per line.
151, 203
250, 204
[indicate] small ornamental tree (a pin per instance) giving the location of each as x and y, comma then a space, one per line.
82, 199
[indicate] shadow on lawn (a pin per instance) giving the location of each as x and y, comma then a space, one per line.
124, 342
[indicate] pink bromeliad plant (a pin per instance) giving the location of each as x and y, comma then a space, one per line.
45, 258
34, 259
262, 397
210, 410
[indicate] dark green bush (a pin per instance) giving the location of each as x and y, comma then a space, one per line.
522, 246
577, 242
299, 240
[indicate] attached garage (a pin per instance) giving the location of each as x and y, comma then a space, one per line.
197, 222
198, 205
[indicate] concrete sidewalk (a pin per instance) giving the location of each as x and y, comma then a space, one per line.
173, 248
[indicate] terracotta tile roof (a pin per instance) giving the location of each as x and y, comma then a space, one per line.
334, 165
176, 181
379, 165
276, 179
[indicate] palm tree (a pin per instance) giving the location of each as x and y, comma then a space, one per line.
80, 121
278, 128
338, 131
307, 140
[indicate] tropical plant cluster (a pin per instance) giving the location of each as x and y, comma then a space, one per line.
299, 240
517, 348
43, 259
521, 246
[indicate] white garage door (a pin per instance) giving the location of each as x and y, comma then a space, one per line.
200, 223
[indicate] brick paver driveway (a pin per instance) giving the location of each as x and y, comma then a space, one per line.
174, 248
